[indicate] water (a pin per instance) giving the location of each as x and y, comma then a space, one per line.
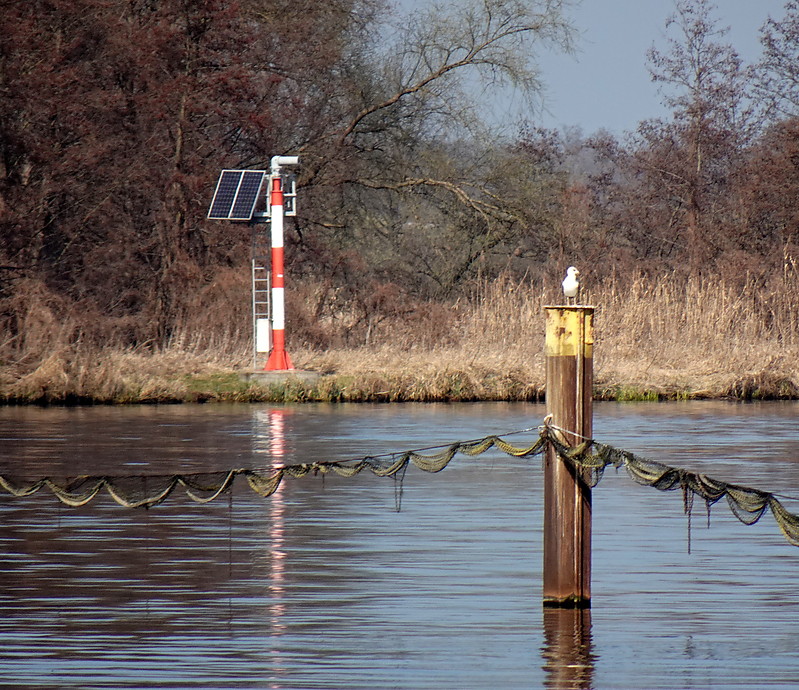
325, 585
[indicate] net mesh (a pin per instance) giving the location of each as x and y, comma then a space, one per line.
144, 491
747, 504
590, 457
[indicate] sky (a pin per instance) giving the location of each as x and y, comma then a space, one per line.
606, 84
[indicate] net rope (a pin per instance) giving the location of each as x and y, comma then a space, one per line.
745, 503
589, 456
146, 491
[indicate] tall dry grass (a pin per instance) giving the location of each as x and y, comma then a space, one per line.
55, 351
662, 337
655, 337
701, 337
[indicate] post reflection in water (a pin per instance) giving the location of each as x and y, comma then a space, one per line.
329, 588
568, 659
273, 422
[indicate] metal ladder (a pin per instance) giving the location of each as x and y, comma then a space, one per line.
261, 308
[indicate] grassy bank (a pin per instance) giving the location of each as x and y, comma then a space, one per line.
663, 340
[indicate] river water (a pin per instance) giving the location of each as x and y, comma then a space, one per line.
326, 585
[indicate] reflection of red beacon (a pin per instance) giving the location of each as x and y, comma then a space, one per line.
277, 532
277, 437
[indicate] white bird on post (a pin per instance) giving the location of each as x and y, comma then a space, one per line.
571, 286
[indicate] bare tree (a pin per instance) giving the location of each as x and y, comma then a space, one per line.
690, 159
418, 136
116, 116
778, 71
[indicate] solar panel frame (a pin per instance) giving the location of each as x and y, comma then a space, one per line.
236, 195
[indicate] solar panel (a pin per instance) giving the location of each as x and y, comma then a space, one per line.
225, 194
247, 195
236, 194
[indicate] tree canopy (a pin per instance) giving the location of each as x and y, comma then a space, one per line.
117, 115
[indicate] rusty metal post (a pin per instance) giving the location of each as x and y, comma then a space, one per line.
567, 497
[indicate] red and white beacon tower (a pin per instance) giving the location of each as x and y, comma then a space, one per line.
279, 359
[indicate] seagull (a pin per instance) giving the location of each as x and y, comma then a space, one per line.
571, 286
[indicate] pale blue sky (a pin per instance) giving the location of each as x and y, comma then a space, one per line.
607, 84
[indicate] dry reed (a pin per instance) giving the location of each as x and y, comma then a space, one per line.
661, 338
655, 339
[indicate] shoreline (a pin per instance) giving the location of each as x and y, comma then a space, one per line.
175, 378
661, 340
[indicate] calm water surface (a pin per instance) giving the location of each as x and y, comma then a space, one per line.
325, 585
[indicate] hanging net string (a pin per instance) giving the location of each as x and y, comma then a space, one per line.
747, 504
590, 456
141, 491
146, 491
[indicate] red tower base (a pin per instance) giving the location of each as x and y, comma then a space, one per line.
279, 360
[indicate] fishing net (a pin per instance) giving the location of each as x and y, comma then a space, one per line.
747, 504
140, 491
145, 491
590, 457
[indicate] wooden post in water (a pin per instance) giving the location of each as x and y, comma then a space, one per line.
567, 497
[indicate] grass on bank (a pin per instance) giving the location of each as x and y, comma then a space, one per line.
653, 341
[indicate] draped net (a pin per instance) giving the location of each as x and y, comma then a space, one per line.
590, 457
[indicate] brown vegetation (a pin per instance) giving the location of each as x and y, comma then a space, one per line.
424, 244
659, 339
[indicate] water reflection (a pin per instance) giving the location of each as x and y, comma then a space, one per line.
333, 589
568, 658
274, 421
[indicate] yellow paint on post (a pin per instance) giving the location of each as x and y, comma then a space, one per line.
567, 328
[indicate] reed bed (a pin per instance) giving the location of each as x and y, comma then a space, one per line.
655, 339
701, 338
659, 339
